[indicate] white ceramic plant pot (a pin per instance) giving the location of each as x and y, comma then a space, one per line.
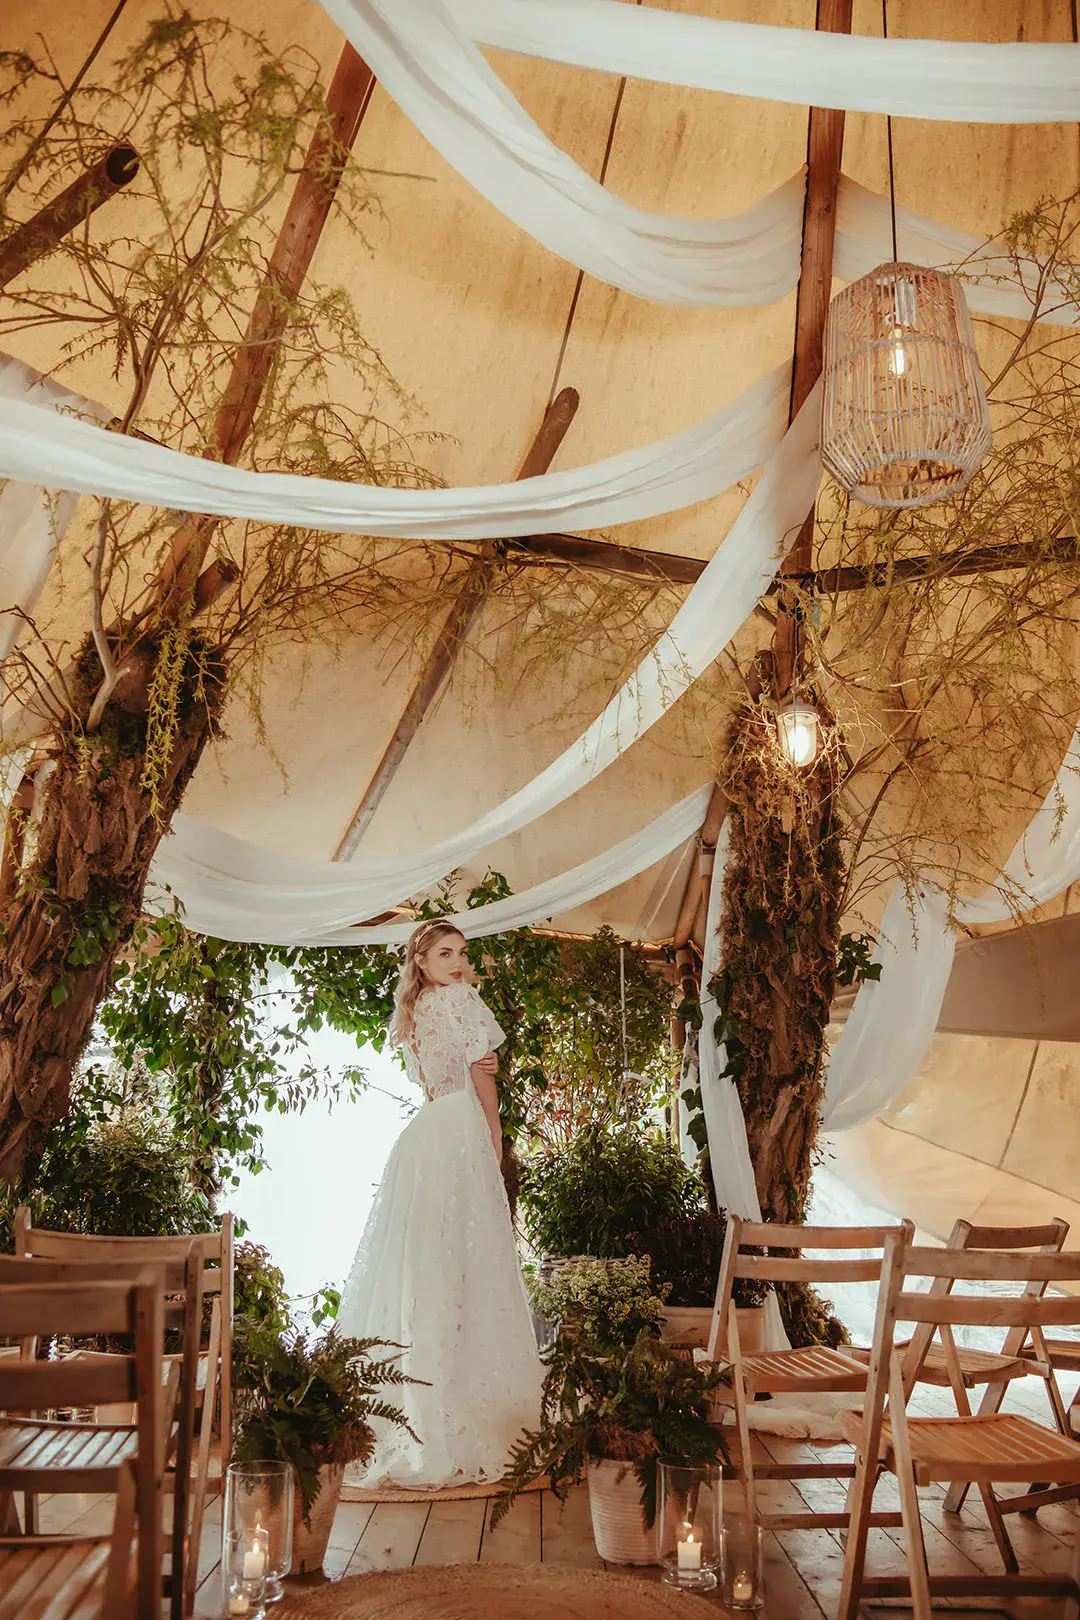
618, 1521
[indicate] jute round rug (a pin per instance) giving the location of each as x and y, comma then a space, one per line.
494, 1592
443, 1493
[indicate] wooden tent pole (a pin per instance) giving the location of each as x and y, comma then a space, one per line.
309, 208
67, 211
440, 661
824, 152
824, 148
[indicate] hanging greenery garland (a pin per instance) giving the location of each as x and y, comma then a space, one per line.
780, 939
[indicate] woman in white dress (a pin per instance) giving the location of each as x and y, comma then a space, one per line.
437, 1268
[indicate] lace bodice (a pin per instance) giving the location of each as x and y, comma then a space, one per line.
452, 1028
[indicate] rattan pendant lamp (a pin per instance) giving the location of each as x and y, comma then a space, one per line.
904, 415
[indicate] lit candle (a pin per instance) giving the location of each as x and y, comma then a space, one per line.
742, 1587
239, 1604
689, 1551
255, 1561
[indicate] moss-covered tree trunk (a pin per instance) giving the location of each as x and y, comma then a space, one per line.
69, 907
780, 937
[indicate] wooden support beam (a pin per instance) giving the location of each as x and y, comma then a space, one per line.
440, 661
669, 567
309, 208
67, 211
824, 149
824, 152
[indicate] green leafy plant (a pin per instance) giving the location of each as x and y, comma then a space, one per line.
586, 1198
128, 1175
607, 1302
853, 960
309, 1401
685, 1252
634, 1406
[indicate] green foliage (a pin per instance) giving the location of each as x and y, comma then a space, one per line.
633, 1406
605, 1302
223, 1033
685, 1251
587, 1198
853, 964
310, 1401
127, 1175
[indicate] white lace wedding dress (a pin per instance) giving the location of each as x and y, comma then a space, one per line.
437, 1269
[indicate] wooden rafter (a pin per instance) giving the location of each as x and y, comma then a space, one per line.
824, 149
579, 551
309, 208
462, 616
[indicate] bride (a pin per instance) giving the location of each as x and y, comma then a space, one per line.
437, 1269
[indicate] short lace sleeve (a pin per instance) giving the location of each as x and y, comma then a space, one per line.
483, 1034
452, 1029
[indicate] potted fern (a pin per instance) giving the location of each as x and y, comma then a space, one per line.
309, 1401
608, 1413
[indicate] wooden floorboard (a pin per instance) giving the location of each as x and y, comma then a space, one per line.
803, 1569
516, 1538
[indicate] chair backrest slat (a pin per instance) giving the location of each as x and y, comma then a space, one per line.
1052, 1236
75, 1307
969, 1310
780, 1268
14, 1269
988, 1265
36, 1242
768, 1235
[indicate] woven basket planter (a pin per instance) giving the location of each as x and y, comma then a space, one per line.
310, 1544
618, 1522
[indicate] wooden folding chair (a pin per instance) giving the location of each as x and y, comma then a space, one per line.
817, 1370
213, 1395
38, 1455
978, 1449
1022, 1353
53, 1577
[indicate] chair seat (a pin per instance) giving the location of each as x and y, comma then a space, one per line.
1064, 1354
996, 1447
814, 1369
34, 1451
52, 1577
976, 1366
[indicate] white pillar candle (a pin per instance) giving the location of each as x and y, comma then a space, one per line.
689, 1551
254, 1563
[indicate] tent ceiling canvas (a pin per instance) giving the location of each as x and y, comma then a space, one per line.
481, 325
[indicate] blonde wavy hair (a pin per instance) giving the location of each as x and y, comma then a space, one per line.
411, 982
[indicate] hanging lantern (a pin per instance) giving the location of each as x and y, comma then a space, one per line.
904, 413
798, 731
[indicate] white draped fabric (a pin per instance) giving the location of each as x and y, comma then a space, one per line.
961, 81
233, 890
716, 606
422, 54
890, 1027
38, 446
729, 1154
31, 521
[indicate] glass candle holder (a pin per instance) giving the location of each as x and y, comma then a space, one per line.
742, 1576
259, 1504
690, 1519
244, 1560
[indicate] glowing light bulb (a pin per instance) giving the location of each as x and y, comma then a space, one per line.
798, 731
